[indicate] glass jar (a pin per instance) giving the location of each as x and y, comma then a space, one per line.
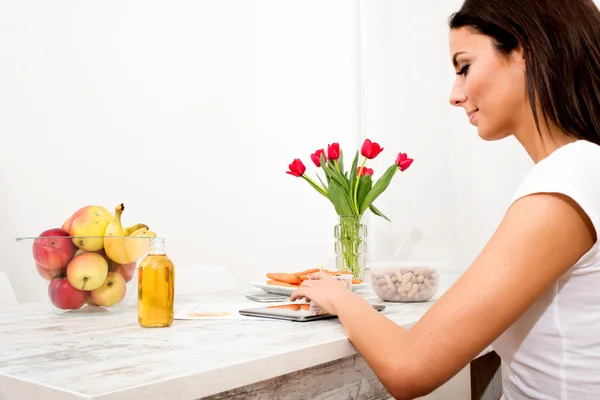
156, 287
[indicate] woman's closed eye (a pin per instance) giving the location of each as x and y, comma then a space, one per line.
463, 70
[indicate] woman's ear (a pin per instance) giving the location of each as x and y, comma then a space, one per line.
518, 56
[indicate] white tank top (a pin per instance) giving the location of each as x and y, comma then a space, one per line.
553, 351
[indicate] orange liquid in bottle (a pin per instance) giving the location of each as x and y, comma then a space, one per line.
156, 289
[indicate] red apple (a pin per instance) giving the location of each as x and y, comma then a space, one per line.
126, 270
111, 292
53, 249
49, 274
65, 296
87, 271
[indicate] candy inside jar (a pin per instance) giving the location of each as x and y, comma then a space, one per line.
405, 282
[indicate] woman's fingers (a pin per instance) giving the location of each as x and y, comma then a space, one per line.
320, 275
301, 292
297, 294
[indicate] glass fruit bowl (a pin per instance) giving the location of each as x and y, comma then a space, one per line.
86, 274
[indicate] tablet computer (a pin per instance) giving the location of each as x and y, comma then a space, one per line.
298, 312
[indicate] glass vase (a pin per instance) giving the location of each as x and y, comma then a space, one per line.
351, 245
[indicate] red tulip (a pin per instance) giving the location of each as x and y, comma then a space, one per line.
333, 151
364, 171
297, 168
370, 149
403, 161
316, 157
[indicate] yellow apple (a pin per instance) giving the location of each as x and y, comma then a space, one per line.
87, 271
89, 221
111, 292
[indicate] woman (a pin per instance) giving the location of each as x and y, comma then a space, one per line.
529, 69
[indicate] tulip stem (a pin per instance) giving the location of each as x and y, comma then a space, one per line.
350, 236
337, 166
356, 187
318, 187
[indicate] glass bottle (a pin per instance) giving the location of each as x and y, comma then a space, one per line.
156, 287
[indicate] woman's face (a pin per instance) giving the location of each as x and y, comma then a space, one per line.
489, 86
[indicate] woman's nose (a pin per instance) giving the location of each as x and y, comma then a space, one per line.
457, 97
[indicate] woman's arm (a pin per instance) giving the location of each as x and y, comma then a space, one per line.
540, 238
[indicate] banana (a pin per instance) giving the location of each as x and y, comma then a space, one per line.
139, 231
129, 231
139, 243
125, 246
114, 242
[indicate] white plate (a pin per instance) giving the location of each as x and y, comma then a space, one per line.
287, 291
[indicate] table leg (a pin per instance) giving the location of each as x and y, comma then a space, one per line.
486, 377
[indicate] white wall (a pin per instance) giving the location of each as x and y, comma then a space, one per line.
188, 112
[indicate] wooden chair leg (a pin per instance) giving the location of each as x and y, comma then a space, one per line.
486, 377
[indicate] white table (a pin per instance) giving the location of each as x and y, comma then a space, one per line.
46, 356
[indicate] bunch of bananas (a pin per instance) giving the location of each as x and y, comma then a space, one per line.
126, 245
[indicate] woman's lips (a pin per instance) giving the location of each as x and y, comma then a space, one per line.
472, 114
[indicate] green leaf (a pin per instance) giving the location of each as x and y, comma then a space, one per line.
341, 179
333, 174
352, 173
375, 211
341, 162
339, 197
315, 186
322, 161
320, 180
364, 186
379, 187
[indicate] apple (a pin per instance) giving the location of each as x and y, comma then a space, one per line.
87, 271
65, 296
49, 274
111, 292
53, 249
101, 252
66, 226
126, 270
89, 221
69, 221
90, 302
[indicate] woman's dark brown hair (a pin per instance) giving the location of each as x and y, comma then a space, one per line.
561, 45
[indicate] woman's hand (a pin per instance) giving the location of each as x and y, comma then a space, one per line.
324, 290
